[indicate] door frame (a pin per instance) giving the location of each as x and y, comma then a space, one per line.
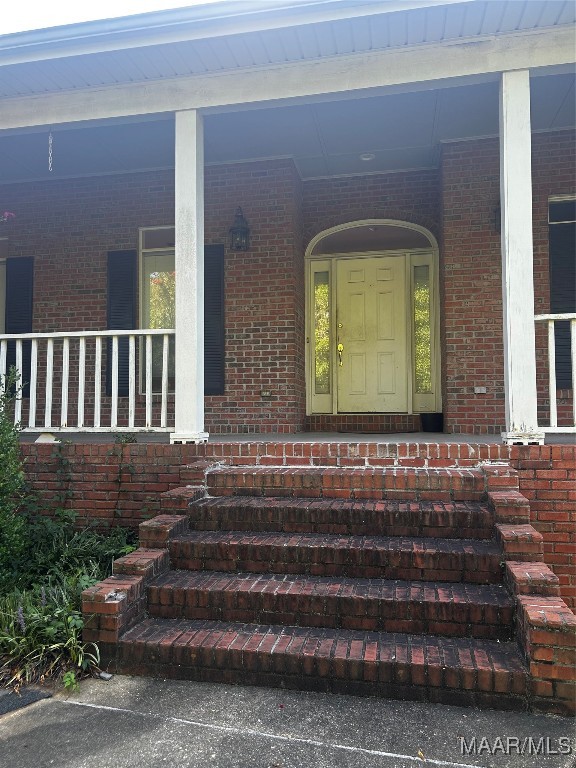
328, 403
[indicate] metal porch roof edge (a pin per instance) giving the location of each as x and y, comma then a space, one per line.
189, 23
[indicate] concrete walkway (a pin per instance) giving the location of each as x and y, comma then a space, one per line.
143, 723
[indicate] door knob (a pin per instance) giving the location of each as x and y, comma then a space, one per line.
340, 349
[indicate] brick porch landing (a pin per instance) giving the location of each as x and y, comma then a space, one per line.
419, 438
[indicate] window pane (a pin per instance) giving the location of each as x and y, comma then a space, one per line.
158, 238
158, 285
321, 334
422, 335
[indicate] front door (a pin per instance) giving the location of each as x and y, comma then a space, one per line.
372, 335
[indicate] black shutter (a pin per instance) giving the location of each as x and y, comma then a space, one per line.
562, 243
213, 319
121, 311
19, 307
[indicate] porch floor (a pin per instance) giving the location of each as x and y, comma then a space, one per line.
420, 438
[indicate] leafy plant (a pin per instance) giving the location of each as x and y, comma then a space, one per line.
45, 564
12, 526
41, 633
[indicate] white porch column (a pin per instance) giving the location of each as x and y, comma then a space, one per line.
517, 260
189, 260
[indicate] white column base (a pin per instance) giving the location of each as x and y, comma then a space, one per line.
180, 438
523, 438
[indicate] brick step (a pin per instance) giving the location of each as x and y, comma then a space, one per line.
420, 667
386, 557
414, 484
314, 601
460, 519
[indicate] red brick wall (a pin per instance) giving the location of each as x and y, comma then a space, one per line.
69, 226
471, 270
264, 304
115, 484
472, 292
547, 476
412, 196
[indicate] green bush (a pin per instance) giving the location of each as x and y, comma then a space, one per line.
45, 563
13, 527
41, 634
40, 618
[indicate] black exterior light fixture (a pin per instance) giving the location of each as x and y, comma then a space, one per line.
239, 232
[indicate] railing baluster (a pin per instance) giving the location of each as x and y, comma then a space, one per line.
573, 350
3, 350
97, 380
65, 380
19, 384
148, 380
114, 408
131, 381
552, 374
81, 381
49, 384
33, 384
42, 379
164, 407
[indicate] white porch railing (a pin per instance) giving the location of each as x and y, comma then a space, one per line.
51, 373
551, 320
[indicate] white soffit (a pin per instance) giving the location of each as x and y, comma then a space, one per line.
436, 23
402, 131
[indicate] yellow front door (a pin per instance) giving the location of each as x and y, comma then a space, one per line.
371, 335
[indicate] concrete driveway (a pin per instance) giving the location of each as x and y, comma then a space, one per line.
144, 723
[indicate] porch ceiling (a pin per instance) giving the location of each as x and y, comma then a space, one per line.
325, 138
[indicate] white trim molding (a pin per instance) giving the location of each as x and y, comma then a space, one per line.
427, 63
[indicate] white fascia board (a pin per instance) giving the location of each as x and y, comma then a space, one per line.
194, 23
266, 86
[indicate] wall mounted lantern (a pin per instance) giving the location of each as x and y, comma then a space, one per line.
239, 232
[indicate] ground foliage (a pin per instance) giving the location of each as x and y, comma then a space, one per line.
45, 563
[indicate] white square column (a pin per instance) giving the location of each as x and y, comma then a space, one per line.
518, 260
189, 262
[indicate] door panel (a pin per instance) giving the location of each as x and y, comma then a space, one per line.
371, 318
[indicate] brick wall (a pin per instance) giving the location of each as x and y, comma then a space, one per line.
121, 484
471, 274
412, 196
471, 288
547, 477
69, 226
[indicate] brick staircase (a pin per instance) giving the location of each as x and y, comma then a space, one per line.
413, 583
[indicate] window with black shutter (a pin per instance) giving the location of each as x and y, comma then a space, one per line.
562, 260
18, 312
156, 297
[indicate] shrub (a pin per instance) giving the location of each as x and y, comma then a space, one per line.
45, 563
12, 525
41, 633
